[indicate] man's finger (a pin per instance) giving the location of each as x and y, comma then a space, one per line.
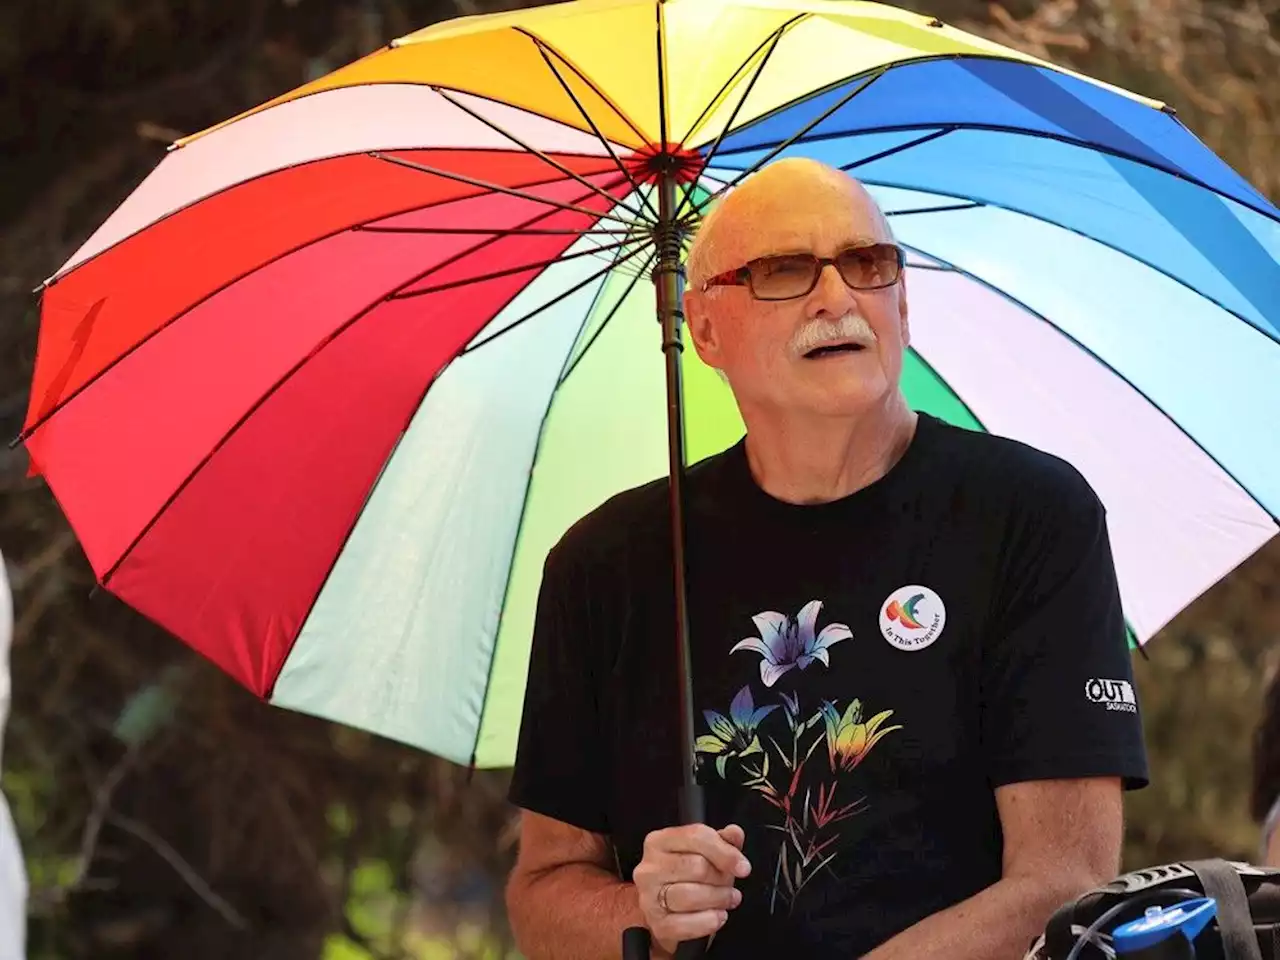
698, 838
697, 897
733, 834
690, 868
679, 927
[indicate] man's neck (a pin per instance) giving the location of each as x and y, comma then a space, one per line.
818, 460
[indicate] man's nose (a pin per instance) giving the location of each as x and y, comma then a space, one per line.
831, 294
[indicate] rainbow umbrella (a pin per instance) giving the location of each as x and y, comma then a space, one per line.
320, 395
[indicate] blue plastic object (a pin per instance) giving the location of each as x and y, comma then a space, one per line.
1159, 923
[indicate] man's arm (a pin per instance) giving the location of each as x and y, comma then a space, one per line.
1061, 838
564, 900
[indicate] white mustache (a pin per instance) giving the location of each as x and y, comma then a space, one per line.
816, 333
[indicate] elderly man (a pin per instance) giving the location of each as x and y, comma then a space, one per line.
900, 630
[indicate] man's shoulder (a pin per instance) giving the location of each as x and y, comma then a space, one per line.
633, 519
611, 524
1014, 471
619, 525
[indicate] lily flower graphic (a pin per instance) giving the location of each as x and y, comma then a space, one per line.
785, 643
734, 735
849, 737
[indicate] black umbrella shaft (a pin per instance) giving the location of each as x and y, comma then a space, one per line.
668, 279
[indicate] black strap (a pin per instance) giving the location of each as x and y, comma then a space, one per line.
1235, 922
1057, 932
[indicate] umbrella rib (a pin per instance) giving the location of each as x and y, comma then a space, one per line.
773, 38
47, 415
612, 265
942, 208
773, 42
660, 30
187, 205
595, 302
600, 245
933, 128
509, 271
547, 48
836, 84
280, 382
953, 268
889, 152
1272, 214
605, 322
417, 406
524, 507
973, 203
795, 136
496, 188
488, 231
63, 272
492, 239
543, 49
533, 150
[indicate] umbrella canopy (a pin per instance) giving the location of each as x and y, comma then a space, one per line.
321, 394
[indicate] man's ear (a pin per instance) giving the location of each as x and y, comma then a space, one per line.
699, 326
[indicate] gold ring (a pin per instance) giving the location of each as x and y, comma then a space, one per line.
662, 897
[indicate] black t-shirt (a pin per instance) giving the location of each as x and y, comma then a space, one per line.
866, 672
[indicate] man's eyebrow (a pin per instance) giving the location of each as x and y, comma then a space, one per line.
786, 249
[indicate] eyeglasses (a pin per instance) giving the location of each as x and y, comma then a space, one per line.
786, 276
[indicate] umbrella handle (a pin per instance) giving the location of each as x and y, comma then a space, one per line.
636, 942
692, 949
693, 809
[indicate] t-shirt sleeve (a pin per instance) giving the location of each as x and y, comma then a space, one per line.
1058, 697
558, 753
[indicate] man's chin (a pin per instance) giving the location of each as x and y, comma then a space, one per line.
847, 397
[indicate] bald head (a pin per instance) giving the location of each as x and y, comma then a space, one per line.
733, 220
765, 347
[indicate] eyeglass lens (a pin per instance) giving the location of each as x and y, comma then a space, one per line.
792, 275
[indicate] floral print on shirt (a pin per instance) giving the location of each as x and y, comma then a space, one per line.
773, 763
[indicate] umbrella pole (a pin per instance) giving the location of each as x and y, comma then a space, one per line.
668, 279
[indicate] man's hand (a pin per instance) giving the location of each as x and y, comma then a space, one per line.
686, 881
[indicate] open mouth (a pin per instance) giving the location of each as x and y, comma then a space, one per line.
834, 349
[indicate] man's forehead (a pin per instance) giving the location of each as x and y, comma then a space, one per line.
779, 226
766, 240
792, 205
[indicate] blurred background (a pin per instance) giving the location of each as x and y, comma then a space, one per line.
163, 811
